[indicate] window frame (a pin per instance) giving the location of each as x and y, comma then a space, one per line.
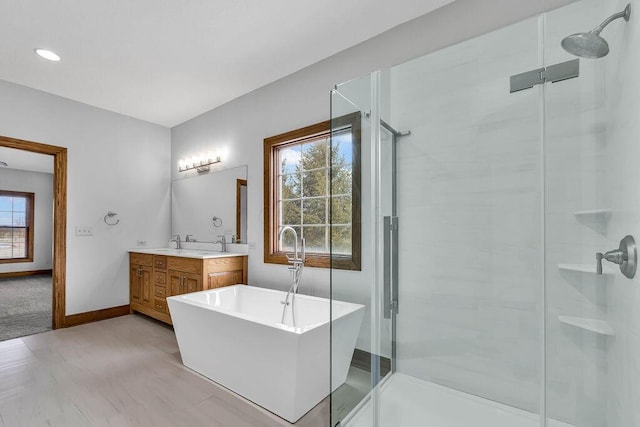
271, 170
30, 198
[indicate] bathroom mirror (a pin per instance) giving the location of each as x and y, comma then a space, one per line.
197, 199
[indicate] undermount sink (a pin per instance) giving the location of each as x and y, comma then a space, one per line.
186, 251
196, 251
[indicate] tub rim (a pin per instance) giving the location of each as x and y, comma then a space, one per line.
184, 299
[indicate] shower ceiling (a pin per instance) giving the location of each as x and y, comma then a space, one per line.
166, 62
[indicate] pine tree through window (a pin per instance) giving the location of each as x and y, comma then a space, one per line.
16, 226
312, 183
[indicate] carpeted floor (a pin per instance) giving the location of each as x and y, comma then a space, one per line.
25, 306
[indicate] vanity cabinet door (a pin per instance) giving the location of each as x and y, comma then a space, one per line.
183, 283
224, 278
193, 282
135, 284
175, 283
140, 284
147, 287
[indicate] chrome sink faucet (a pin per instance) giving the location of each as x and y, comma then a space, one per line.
223, 242
189, 238
176, 239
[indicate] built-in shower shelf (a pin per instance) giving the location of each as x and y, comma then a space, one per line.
585, 268
603, 213
601, 327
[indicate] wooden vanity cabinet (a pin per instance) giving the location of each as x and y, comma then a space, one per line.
155, 277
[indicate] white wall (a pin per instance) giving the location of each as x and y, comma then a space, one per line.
115, 163
41, 184
300, 99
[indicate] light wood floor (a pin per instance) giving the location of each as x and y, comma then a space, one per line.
118, 372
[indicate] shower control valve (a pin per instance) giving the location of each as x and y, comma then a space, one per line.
625, 256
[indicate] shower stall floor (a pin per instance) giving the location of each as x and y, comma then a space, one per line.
408, 402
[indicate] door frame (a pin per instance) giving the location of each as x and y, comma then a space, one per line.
59, 219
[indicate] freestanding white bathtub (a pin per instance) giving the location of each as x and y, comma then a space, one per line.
234, 336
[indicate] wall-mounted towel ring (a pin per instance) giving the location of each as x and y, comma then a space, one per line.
111, 214
217, 222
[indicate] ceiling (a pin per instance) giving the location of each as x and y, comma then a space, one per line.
167, 61
25, 160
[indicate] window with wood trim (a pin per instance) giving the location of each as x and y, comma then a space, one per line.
312, 183
16, 226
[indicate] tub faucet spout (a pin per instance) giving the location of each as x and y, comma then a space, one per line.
295, 260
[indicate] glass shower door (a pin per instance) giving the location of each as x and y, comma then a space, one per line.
468, 195
454, 279
371, 360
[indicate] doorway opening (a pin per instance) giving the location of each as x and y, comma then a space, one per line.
59, 219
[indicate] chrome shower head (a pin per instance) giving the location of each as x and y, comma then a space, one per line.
591, 44
586, 45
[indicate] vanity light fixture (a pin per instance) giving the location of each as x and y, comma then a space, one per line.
202, 164
47, 54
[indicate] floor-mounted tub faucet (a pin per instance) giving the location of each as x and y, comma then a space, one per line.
296, 261
297, 264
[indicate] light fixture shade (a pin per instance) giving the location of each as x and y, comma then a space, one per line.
47, 54
202, 165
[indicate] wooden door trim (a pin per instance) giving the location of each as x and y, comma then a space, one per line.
239, 184
59, 219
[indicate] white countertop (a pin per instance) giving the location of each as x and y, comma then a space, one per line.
187, 253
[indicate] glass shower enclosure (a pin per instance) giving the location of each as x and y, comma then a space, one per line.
493, 172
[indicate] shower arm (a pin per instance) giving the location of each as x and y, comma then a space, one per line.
624, 14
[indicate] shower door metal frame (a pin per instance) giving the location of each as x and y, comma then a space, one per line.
391, 247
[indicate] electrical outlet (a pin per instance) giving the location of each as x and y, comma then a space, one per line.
84, 231
141, 243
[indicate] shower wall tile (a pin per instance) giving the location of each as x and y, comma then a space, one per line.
469, 205
622, 183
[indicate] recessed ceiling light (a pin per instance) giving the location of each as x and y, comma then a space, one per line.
47, 54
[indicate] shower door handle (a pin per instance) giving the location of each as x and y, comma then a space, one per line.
390, 266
